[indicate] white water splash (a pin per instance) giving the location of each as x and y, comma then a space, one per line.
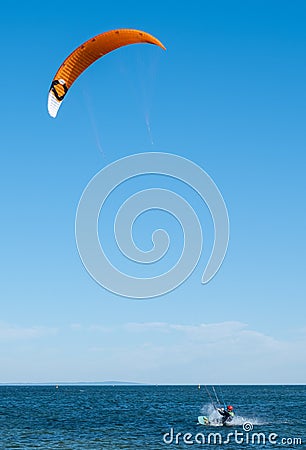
215, 418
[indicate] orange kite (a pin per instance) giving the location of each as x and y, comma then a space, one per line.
88, 53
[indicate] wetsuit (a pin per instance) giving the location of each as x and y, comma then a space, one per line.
227, 416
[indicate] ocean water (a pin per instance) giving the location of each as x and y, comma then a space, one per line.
151, 417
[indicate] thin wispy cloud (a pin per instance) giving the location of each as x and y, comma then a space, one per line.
169, 352
14, 332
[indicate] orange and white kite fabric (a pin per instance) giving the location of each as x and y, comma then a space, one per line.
88, 53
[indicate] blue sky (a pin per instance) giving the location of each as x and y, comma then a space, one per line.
228, 94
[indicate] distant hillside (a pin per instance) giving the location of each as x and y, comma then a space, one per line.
78, 383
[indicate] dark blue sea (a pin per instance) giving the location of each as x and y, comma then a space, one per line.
151, 417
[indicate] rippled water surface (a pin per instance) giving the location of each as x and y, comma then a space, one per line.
137, 417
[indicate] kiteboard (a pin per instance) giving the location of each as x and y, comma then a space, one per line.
203, 420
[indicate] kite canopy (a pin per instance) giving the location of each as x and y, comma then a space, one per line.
88, 53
